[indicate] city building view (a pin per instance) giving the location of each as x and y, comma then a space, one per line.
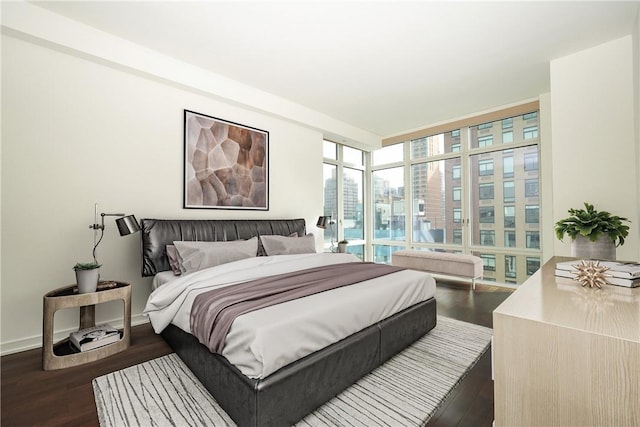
472, 190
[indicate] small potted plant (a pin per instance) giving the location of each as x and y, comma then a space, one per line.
342, 246
87, 275
595, 235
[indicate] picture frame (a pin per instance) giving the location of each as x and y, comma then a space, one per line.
226, 164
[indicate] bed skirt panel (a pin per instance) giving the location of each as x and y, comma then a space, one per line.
396, 334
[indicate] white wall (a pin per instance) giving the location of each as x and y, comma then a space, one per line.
594, 143
76, 132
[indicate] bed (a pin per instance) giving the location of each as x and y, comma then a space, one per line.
282, 395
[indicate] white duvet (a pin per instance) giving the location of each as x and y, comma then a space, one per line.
261, 342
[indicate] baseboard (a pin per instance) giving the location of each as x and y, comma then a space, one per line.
35, 341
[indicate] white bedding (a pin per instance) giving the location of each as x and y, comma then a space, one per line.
261, 342
162, 278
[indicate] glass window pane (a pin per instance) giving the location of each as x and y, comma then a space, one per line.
485, 191
510, 266
457, 217
447, 142
352, 200
357, 250
512, 129
456, 172
352, 156
485, 141
510, 238
457, 194
485, 167
487, 237
507, 137
433, 189
509, 192
531, 161
532, 214
533, 264
507, 166
330, 199
514, 207
530, 132
531, 187
486, 214
383, 253
509, 216
533, 239
329, 150
388, 204
389, 154
488, 261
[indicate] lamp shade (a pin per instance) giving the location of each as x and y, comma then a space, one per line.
127, 225
323, 221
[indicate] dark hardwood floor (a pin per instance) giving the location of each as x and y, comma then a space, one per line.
33, 397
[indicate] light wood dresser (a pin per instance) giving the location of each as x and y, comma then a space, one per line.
564, 355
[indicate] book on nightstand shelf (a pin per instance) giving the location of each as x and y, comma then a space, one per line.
94, 337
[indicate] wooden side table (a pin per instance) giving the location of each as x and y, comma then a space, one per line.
61, 354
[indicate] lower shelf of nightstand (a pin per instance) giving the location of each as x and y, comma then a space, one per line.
66, 348
64, 355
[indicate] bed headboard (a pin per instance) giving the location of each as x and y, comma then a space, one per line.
158, 233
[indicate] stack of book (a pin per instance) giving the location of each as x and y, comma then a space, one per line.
94, 337
625, 274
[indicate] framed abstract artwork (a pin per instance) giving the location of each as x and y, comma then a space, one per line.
226, 164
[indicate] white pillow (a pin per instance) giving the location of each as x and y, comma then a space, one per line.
283, 245
196, 256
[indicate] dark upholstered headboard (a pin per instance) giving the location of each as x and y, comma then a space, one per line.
158, 233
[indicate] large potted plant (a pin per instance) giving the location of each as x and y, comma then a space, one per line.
87, 275
595, 235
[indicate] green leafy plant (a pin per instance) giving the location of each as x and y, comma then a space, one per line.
343, 241
590, 223
86, 266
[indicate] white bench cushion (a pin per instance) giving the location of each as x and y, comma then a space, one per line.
461, 265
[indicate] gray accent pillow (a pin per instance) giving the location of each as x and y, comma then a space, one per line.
196, 256
174, 260
283, 245
262, 252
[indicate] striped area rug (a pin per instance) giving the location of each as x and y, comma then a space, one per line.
405, 391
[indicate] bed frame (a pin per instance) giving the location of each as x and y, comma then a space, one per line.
289, 394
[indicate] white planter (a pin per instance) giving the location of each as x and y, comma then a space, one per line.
603, 248
342, 248
87, 280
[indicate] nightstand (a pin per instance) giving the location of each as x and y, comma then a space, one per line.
62, 354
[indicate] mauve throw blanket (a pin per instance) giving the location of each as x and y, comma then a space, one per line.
213, 312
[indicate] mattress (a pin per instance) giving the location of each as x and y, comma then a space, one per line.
261, 342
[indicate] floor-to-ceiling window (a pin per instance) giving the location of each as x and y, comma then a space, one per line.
389, 203
472, 189
344, 189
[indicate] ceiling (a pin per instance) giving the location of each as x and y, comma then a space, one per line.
382, 66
